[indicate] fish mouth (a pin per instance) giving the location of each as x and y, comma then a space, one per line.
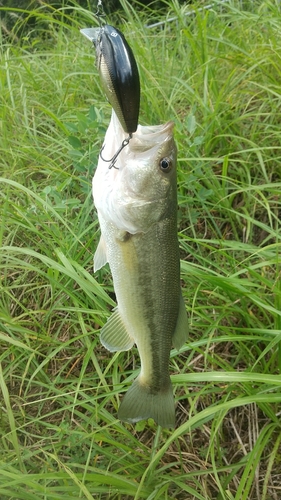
154, 129
147, 137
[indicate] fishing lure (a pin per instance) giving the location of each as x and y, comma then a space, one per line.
119, 77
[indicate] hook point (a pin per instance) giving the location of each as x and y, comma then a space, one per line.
112, 160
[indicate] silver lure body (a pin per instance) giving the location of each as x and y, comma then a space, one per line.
118, 72
137, 210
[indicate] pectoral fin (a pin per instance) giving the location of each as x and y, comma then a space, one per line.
100, 257
114, 335
181, 331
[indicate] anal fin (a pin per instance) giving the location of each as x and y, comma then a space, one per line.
114, 335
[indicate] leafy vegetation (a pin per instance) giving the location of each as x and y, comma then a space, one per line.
217, 75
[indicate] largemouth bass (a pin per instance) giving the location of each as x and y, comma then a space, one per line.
136, 203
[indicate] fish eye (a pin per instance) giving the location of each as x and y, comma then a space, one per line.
165, 164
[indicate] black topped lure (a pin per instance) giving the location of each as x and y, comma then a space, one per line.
119, 74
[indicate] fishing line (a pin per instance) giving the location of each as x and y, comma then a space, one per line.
100, 13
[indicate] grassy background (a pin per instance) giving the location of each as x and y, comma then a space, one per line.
217, 75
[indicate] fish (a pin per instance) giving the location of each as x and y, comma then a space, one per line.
136, 204
118, 72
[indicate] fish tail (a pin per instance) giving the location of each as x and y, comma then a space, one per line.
141, 402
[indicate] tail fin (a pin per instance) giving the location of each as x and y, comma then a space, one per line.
140, 403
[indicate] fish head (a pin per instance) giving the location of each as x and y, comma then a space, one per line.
148, 165
142, 188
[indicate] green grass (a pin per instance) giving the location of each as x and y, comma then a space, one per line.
217, 75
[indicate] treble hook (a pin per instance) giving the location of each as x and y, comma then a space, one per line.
115, 156
100, 12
